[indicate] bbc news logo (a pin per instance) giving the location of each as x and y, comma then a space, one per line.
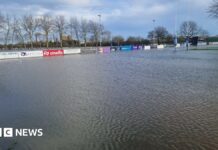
10, 132
6, 132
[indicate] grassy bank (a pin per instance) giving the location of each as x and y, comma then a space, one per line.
204, 48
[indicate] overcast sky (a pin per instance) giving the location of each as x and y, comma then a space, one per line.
124, 17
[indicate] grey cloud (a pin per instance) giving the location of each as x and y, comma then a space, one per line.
25, 3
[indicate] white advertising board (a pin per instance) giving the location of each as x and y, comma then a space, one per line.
213, 43
160, 46
1, 56
72, 51
9, 55
147, 47
29, 54
178, 45
202, 44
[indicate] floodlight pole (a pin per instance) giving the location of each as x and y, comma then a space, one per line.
176, 20
154, 31
100, 32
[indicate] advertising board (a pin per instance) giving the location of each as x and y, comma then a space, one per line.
106, 50
9, 55
135, 47
126, 48
140, 47
160, 47
29, 54
50, 53
100, 50
147, 47
178, 45
72, 51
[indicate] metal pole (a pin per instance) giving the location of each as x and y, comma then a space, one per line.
154, 31
100, 32
176, 20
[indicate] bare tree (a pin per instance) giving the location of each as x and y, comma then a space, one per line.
134, 40
94, 30
203, 33
118, 39
37, 36
7, 28
30, 24
2, 19
170, 39
213, 9
46, 23
151, 35
74, 26
159, 33
13, 32
18, 34
106, 36
60, 26
189, 29
84, 28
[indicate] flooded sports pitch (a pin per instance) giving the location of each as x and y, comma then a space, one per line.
156, 100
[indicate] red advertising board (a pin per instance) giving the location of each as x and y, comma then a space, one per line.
49, 53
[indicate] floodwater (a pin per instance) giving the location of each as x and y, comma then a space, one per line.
157, 100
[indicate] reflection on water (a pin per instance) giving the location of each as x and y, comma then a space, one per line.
121, 101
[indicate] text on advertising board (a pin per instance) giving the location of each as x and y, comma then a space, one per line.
48, 53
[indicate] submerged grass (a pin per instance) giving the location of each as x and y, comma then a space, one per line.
13, 145
204, 48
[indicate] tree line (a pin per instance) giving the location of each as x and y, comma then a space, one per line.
29, 31
160, 35
187, 30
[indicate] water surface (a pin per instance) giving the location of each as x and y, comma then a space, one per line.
158, 100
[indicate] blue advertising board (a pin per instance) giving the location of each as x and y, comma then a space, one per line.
126, 48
